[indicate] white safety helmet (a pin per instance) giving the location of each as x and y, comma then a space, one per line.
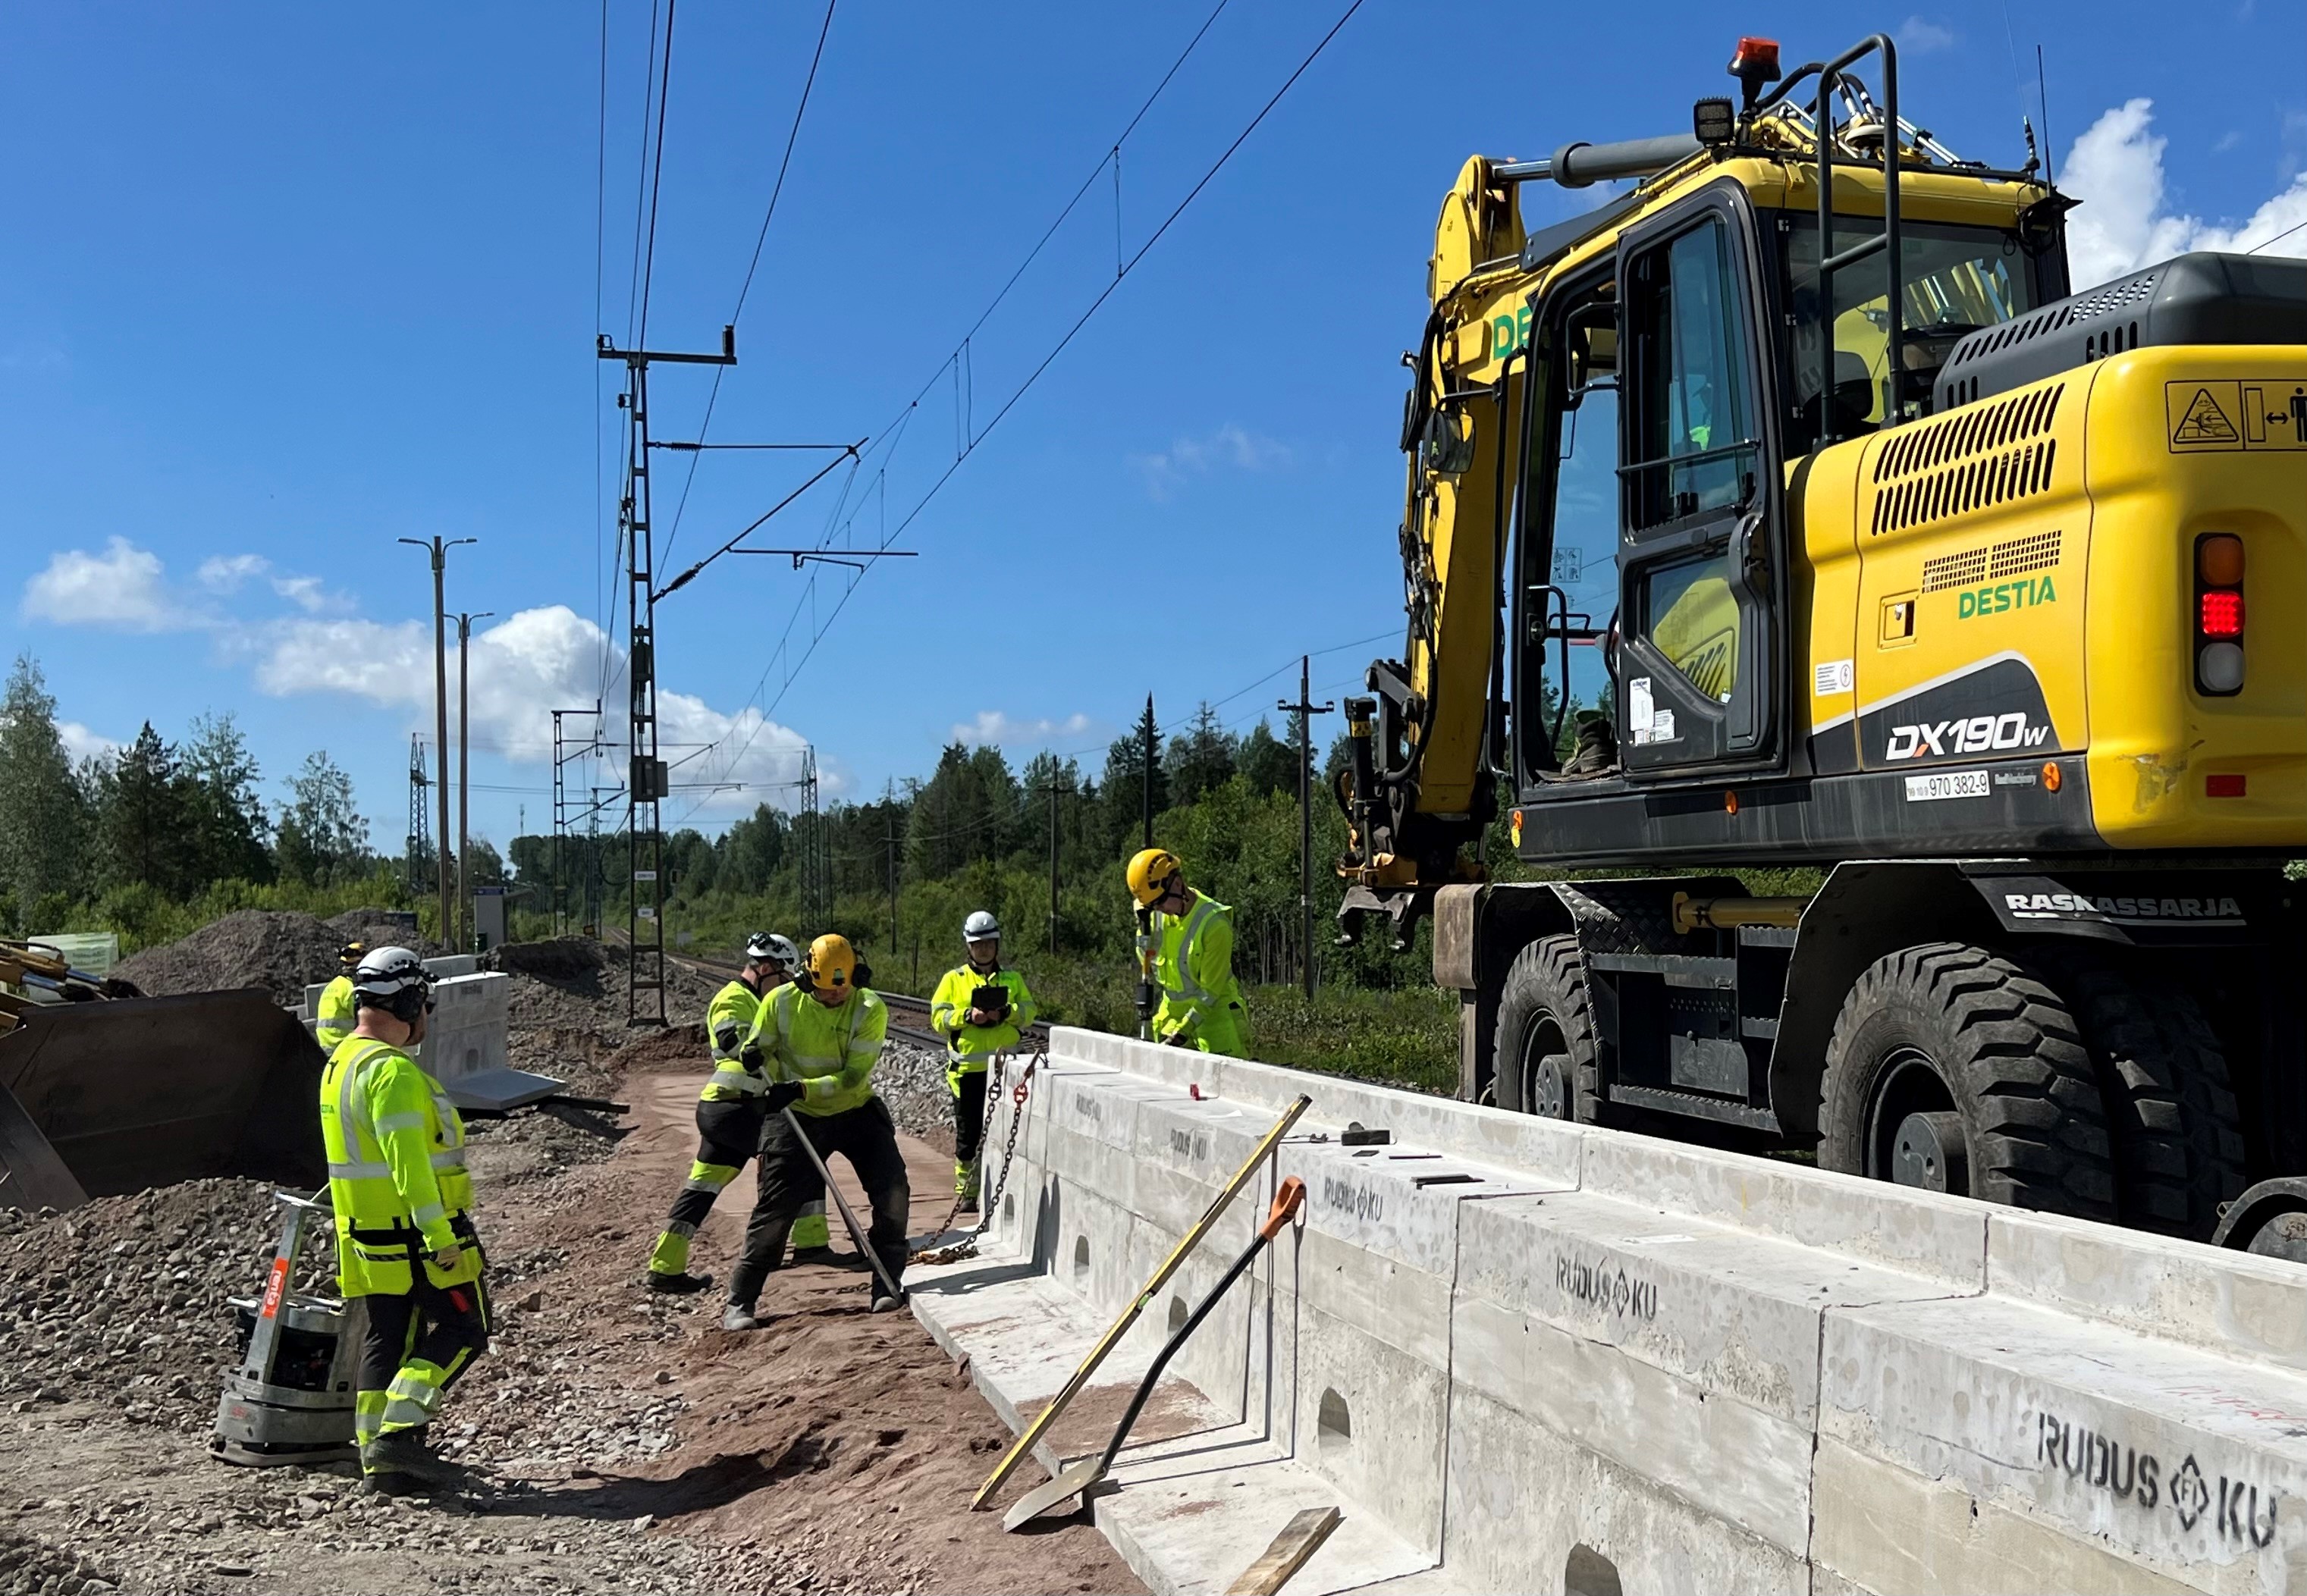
981, 927
767, 947
393, 979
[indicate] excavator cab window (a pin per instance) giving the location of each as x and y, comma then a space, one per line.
1958, 280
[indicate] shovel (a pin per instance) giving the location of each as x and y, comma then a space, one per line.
1077, 1480
857, 1234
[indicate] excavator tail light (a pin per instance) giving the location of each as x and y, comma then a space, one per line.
2222, 613
2218, 614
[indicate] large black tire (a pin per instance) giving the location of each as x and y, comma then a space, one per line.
1544, 1061
2170, 1116
2007, 1061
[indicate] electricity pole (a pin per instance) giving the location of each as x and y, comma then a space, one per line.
463, 939
1305, 709
646, 782
892, 885
1056, 790
440, 552
1147, 773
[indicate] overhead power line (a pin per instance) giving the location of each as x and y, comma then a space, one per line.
893, 433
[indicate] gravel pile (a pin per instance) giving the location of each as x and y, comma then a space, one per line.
910, 1080
572, 982
370, 926
123, 1302
30, 1566
282, 950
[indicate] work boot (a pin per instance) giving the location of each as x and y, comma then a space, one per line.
678, 1285
394, 1484
1597, 753
739, 1316
883, 1302
968, 1204
815, 1255
403, 1452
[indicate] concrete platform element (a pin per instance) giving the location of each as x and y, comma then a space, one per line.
1525, 1355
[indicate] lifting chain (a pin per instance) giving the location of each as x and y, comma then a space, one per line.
967, 1246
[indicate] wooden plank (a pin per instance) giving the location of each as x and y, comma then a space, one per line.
1300, 1539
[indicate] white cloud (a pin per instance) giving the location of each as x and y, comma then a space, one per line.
81, 743
522, 669
2116, 170
307, 594
224, 573
994, 726
1231, 446
1921, 37
122, 588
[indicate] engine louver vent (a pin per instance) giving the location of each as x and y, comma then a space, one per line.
1986, 456
2013, 557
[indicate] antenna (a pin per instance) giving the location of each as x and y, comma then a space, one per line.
2043, 93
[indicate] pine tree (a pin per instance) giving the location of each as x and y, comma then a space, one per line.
1269, 763
1202, 757
1123, 784
145, 820
323, 839
43, 809
230, 824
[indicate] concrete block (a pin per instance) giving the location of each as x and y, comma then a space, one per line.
1919, 1231
1373, 1420
2190, 1465
1530, 1509
2231, 1304
1880, 1528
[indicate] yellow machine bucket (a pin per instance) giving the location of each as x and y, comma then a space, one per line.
144, 1092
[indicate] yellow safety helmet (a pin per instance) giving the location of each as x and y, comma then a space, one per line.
351, 954
1150, 874
831, 964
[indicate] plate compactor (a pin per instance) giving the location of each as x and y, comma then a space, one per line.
289, 1400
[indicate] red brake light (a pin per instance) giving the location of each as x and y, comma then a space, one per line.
2225, 786
2221, 615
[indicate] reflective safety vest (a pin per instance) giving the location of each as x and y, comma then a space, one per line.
830, 1051
1193, 964
728, 1021
335, 1015
395, 1152
972, 1047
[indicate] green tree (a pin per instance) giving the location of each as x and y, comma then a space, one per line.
229, 825
1123, 783
146, 827
752, 851
323, 837
1266, 762
1202, 757
44, 819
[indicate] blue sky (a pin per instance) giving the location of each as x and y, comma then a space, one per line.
289, 282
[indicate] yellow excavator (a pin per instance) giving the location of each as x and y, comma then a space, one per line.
1786, 508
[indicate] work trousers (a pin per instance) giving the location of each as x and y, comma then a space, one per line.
968, 1088
416, 1344
868, 1138
727, 1132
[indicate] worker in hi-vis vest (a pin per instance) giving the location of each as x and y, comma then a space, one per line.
1201, 1004
406, 1245
980, 1010
818, 1039
728, 1114
333, 1016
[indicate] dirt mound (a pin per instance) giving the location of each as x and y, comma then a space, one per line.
123, 1301
282, 951
574, 962
384, 928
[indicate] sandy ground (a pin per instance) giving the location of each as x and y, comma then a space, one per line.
617, 1441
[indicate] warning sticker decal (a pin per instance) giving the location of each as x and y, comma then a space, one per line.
2233, 415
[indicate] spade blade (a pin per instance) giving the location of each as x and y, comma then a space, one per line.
1067, 1486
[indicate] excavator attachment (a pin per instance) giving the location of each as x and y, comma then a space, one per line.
143, 1092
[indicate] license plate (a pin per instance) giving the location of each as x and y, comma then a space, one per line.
1946, 784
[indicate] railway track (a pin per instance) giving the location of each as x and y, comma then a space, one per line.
915, 1011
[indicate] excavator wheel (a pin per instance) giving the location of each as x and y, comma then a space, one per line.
1545, 1057
1953, 1069
2171, 1116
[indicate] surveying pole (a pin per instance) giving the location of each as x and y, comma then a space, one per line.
1305, 709
439, 551
646, 783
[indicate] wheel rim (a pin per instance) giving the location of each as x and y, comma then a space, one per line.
1914, 1133
1545, 1070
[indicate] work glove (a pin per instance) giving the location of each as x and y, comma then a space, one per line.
783, 1095
1175, 1039
448, 1257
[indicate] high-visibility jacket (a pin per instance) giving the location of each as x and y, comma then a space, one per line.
970, 1047
830, 1051
1193, 964
335, 1015
728, 1021
395, 1152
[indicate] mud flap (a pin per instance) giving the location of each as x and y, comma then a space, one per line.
150, 1091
